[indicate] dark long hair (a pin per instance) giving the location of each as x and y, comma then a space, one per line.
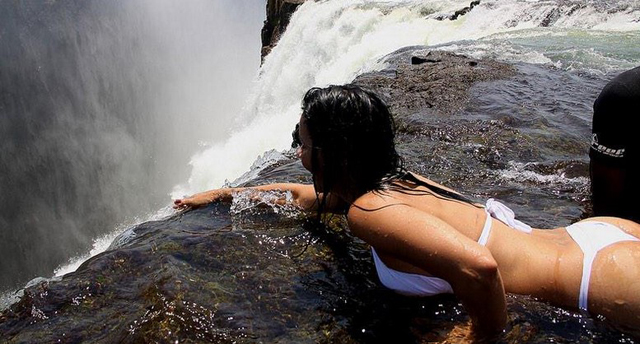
355, 133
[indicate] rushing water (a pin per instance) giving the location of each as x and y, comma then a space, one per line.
332, 42
579, 45
108, 102
101, 105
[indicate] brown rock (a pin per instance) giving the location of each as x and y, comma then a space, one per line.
278, 15
431, 82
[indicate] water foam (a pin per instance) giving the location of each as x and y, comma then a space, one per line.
325, 43
519, 172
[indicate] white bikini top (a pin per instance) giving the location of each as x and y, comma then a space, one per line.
420, 285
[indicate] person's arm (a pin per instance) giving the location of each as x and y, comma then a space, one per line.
304, 196
431, 244
608, 189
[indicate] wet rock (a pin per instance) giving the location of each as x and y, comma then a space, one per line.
278, 15
465, 10
460, 12
551, 18
433, 82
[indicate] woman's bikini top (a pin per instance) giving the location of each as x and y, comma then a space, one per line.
421, 285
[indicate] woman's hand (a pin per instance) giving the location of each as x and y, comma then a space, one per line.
304, 196
202, 199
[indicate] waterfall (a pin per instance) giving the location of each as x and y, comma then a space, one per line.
331, 42
102, 105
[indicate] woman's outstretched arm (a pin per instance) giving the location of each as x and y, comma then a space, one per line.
434, 246
304, 196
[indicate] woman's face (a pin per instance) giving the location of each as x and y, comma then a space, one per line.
305, 153
305, 147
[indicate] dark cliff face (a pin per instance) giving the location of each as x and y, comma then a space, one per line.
278, 14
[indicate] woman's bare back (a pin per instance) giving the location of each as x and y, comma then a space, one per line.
546, 263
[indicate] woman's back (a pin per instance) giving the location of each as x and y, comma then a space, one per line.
542, 263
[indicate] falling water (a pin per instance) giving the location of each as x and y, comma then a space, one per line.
102, 103
331, 42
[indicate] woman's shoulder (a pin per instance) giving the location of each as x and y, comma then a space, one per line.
371, 205
374, 200
380, 213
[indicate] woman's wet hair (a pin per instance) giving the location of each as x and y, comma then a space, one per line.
353, 131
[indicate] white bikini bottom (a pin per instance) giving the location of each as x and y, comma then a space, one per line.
592, 236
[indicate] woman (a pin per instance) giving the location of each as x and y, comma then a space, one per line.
427, 239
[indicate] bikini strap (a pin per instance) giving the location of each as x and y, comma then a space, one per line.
486, 230
501, 212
